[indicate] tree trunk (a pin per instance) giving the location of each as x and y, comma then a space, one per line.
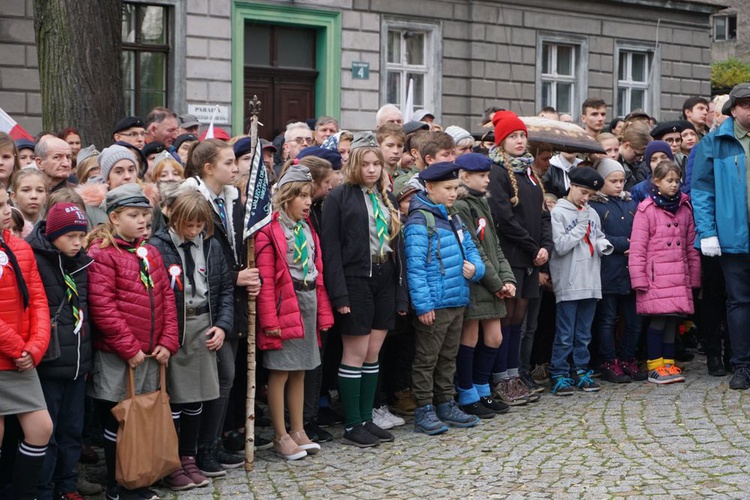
79, 48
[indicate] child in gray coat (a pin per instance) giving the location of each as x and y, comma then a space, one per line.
574, 266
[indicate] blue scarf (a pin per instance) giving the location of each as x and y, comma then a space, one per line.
670, 204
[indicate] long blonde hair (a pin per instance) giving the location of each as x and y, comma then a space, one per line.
514, 182
353, 176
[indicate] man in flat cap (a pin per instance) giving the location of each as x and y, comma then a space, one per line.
722, 213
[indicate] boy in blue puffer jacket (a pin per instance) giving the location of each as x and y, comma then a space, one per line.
440, 258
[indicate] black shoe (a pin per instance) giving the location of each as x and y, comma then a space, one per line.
234, 441
715, 366
226, 459
740, 381
684, 356
383, 435
358, 436
262, 443
478, 409
207, 463
146, 494
327, 417
117, 492
495, 405
317, 434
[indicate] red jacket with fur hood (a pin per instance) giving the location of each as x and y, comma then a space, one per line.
22, 330
126, 316
278, 308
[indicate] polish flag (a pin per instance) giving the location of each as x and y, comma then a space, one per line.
12, 128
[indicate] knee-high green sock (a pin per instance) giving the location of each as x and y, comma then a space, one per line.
368, 387
350, 378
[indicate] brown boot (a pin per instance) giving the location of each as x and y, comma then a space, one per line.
403, 403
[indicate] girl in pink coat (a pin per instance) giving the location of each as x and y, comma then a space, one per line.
664, 267
293, 307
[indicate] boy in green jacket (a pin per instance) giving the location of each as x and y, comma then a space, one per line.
487, 296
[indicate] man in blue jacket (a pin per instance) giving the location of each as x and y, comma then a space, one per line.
720, 201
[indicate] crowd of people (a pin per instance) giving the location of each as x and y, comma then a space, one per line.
414, 271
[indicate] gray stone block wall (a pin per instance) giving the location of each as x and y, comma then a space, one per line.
19, 78
488, 52
208, 44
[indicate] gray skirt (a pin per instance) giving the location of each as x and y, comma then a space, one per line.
110, 377
299, 354
20, 392
192, 373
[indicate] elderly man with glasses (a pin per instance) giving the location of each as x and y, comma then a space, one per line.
720, 201
297, 137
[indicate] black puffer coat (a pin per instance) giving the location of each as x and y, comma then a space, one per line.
76, 350
220, 287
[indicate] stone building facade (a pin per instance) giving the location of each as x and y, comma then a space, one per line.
345, 58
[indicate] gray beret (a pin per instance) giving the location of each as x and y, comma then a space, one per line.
364, 140
295, 173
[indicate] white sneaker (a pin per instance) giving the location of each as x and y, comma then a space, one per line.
395, 419
380, 419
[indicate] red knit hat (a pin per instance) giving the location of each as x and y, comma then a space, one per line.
64, 218
506, 122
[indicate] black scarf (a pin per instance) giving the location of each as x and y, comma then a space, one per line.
669, 204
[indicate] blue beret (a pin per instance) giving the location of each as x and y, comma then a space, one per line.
242, 146
586, 177
474, 162
24, 144
442, 171
333, 157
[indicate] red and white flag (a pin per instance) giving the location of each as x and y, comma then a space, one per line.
12, 128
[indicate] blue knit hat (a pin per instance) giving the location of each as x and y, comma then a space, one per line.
657, 147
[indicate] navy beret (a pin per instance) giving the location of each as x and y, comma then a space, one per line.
153, 148
442, 171
128, 122
183, 138
665, 128
242, 146
586, 177
413, 126
333, 157
474, 162
24, 144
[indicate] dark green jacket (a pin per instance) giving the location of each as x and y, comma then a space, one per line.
472, 209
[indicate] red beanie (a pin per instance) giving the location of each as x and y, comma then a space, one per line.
506, 122
65, 218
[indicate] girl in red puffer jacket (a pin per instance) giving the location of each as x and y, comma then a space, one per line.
293, 307
24, 336
132, 310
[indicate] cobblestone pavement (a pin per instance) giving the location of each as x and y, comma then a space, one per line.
634, 440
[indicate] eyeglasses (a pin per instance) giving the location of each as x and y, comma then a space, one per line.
133, 134
673, 140
744, 104
302, 140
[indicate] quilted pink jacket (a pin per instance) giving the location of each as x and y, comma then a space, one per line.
664, 265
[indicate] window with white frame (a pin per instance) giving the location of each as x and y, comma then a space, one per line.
634, 79
410, 53
725, 27
562, 72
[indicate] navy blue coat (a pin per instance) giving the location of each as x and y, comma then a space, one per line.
616, 215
